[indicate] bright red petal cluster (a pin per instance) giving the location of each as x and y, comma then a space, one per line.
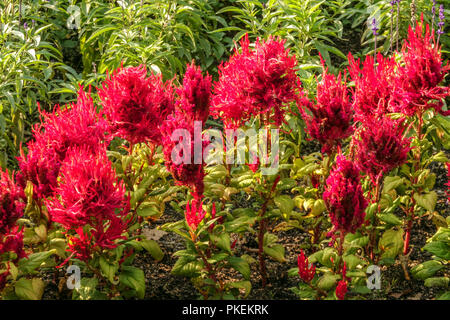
331, 119
194, 213
373, 85
305, 270
79, 125
256, 81
341, 290
380, 146
88, 196
194, 95
419, 78
344, 198
135, 104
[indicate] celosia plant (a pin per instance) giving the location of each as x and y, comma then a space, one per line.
380, 146
77, 125
89, 195
135, 105
419, 77
344, 198
258, 81
331, 119
306, 270
373, 85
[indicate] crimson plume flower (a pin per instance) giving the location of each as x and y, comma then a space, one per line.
135, 105
194, 95
77, 125
305, 270
87, 202
374, 85
380, 146
194, 213
11, 202
344, 198
420, 75
341, 290
331, 117
179, 155
256, 81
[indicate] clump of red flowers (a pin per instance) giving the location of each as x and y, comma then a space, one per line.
331, 117
11, 209
60, 130
135, 105
380, 146
194, 213
373, 85
87, 201
194, 95
259, 81
344, 198
305, 270
341, 290
420, 75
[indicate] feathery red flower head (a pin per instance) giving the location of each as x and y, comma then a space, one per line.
256, 81
194, 95
194, 213
135, 105
11, 202
341, 290
380, 146
331, 117
88, 191
305, 270
179, 155
421, 74
343, 196
79, 125
373, 85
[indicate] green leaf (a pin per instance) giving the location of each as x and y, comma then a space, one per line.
187, 267
109, 270
240, 265
134, 278
275, 251
444, 296
390, 218
426, 270
153, 248
246, 285
34, 260
284, 203
88, 290
439, 248
327, 281
437, 282
222, 241
391, 243
29, 289
391, 183
352, 261
427, 200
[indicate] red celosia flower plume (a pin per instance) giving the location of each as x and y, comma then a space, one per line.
89, 196
88, 191
194, 95
179, 155
77, 125
256, 81
341, 290
331, 117
373, 85
135, 104
380, 146
11, 202
305, 270
344, 198
419, 78
194, 213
